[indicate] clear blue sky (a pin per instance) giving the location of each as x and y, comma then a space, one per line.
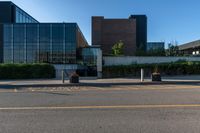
168, 20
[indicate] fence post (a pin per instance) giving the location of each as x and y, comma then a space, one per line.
142, 74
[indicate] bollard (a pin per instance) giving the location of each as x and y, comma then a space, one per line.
142, 74
63, 77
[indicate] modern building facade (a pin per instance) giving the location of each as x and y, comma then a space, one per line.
191, 48
91, 59
151, 46
24, 40
11, 13
132, 32
53, 43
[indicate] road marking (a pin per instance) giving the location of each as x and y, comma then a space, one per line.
102, 107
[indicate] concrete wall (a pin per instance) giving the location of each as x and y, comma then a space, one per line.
99, 64
128, 60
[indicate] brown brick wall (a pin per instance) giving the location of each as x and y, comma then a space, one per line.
96, 30
81, 41
106, 32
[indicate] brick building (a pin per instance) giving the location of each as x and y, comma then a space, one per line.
132, 32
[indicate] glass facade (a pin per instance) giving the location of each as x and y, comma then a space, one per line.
88, 58
54, 43
24, 40
155, 46
23, 17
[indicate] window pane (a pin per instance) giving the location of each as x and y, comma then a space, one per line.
32, 53
19, 33
32, 33
7, 33
18, 53
7, 53
44, 33
57, 33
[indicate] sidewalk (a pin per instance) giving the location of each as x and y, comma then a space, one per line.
9, 84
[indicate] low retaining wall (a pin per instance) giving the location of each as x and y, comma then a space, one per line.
128, 60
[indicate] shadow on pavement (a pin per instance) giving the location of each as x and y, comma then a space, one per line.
7, 86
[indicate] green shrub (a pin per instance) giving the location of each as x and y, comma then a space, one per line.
26, 71
174, 68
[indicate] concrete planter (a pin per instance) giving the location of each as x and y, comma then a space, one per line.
74, 78
156, 77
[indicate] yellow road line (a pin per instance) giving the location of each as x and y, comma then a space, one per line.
103, 107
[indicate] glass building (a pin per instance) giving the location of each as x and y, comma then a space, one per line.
89, 58
155, 46
23, 17
11, 13
54, 43
24, 40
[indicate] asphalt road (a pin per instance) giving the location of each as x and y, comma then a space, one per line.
166, 109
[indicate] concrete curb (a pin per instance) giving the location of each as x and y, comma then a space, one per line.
8, 86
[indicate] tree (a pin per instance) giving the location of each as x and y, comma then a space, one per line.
117, 48
173, 49
156, 52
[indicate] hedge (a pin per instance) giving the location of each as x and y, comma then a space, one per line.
176, 68
26, 71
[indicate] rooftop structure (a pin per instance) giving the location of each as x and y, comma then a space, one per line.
191, 48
